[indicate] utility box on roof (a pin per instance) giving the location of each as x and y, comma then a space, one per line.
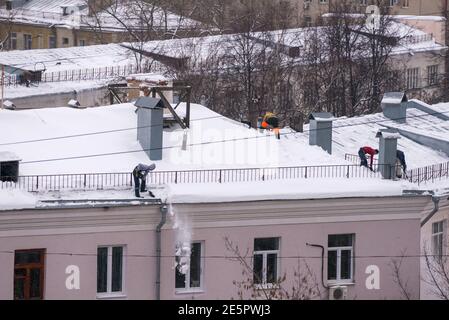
9, 167
394, 106
150, 126
320, 130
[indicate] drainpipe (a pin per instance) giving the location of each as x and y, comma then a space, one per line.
322, 262
164, 211
436, 207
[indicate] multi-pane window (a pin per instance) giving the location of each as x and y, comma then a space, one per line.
266, 261
190, 278
29, 274
438, 239
405, 3
82, 42
393, 2
412, 78
52, 42
340, 264
363, 2
27, 41
432, 75
110, 273
13, 41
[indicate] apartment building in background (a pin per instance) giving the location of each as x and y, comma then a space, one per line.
44, 24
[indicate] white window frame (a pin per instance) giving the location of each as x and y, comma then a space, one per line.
187, 288
405, 3
440, 234
109, 293
412, 78
338, 271
265, 253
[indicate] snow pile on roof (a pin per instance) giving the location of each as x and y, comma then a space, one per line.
48, 88
213, 142
13, 199
286, 190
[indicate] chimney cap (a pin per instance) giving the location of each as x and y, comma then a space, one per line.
149, 103
388, 134
394, 98
322, 116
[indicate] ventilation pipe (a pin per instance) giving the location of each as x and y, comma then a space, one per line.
320, 130
150, 126
164, 210
388, 146
394, 106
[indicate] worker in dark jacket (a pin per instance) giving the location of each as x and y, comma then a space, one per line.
140, 178
401, 160
362, 154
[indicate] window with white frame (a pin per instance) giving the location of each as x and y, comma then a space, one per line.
27, 41
432, 75
110, 270
340, 264
363, 2
438, 239
13, 41
266, 261
405, 3
412, 78
191, 277
393, 2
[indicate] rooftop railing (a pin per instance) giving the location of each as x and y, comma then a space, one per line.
104, 181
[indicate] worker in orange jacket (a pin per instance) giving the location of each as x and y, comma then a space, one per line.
271, 122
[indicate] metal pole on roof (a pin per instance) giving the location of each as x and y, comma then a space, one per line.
2, 85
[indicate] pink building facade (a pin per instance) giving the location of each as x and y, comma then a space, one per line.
110, 250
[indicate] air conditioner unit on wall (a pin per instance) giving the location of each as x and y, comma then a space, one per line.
338, 293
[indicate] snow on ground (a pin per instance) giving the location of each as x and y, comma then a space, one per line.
13, 199
48, 88
213, 142
286, 190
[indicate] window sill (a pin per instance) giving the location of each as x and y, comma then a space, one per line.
340, 283
105, 296
189, 291
266, 286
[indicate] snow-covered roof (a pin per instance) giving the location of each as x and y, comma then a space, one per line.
72, 58
214, 142
51, 5
287, 190
50, 12
350, 134
198, 49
